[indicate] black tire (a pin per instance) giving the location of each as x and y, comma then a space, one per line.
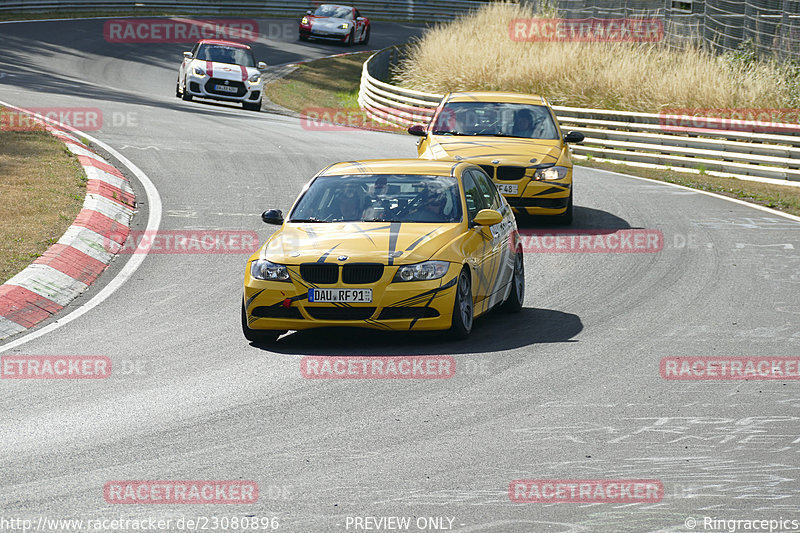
252, 106
178, 88
516, 297
303, 37
365, 42
349, 41
463, 307
258, 336
185, 94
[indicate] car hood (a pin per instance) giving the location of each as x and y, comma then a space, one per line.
328, 23
484, 149
224, 71
375, 242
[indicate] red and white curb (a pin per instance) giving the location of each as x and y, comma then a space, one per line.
69, 266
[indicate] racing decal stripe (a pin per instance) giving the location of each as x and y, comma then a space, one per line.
427, 305
244, 72
394, 232
326, 254
364, 233
253, 297
421, 296
210, 69
415, 243
552, 190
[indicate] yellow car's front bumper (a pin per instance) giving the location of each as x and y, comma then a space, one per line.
399, 306
538, 197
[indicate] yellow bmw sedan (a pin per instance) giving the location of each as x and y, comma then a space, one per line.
402, 245
515, 138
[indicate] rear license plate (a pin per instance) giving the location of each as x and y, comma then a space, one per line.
507, 189
226, 88
350, 296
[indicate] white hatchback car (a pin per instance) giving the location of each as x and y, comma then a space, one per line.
221, 70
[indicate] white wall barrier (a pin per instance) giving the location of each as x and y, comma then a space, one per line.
727, 146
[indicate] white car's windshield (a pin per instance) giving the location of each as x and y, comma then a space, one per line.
497, 119
338, 12
380, 198
226, 54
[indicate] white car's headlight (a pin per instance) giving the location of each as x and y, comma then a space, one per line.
551, 173
254, 78
304, 21
200, 72
422, 271
344, 26
263, 269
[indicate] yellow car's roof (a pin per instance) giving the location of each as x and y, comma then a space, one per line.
489, 96
393, 166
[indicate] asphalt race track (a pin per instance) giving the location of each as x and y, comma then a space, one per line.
568, 389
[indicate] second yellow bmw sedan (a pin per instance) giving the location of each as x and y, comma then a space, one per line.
515, 138
386, 244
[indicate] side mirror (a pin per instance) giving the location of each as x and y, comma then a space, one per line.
417, 129
272, 216
261, 65
309, 12
574, 137
487, 217
187, 55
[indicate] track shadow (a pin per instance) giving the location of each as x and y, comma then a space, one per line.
584, 218
494, 332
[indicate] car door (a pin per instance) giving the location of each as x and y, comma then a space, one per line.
499, 263
477, 244
360, 26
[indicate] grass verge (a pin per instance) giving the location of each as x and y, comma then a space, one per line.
333, 84
42, 188
478, 52
326, 91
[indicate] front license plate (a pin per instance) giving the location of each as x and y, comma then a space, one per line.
507, 189
226, 88
349, 296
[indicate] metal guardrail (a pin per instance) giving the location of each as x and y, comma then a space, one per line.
401, 10
618, 136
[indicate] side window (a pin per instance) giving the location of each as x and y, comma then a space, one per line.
356, 13
194, 50
473, 195
488, 191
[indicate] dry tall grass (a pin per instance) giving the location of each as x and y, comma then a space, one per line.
476, 52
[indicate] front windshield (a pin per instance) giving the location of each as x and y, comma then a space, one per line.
338, 12
232, 55
380, 198
498, 119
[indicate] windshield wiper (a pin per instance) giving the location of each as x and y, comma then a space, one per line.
310, 219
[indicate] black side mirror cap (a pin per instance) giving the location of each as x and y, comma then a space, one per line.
574, 137
417, 129
272, 216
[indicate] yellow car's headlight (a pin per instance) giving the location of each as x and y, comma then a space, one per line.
263, 269
425, 271
551, 173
